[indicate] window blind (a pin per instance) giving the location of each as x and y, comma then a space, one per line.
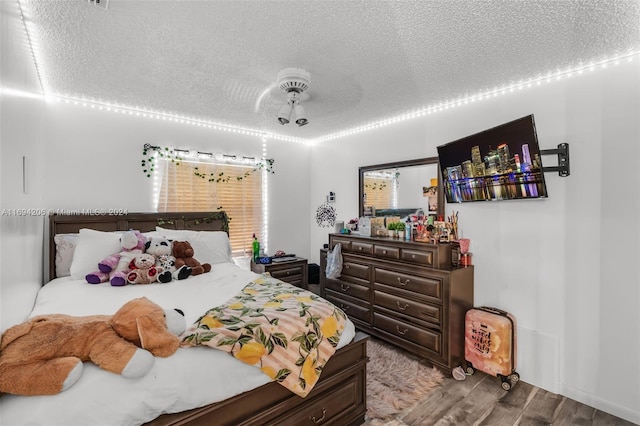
379, 192
179, 189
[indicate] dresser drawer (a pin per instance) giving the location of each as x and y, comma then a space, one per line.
360, 310
430, 287
345, 244
361, 247
287, 274
298, 282
345, 287
328, 408
357, 270
418, 256
429, 339
421, 311
386, 252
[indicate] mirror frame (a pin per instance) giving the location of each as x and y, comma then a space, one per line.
398, 164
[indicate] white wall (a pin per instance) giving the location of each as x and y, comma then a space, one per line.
412, 181
566, 265
104, 149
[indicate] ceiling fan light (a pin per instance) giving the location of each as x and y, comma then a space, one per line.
301, 117
284, 115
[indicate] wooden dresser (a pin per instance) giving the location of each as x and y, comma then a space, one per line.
404, 292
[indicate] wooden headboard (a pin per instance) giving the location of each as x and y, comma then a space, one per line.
143, 222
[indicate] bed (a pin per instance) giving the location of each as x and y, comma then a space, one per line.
196, 385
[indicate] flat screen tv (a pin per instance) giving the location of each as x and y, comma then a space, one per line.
501, 163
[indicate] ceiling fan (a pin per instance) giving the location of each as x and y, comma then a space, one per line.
294, 82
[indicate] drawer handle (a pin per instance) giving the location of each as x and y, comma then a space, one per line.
402, 332
360, 248
344, 308
413, 256
288, 272
346, 266
402, 308
344, 287
403, 283
321, 419
384, 252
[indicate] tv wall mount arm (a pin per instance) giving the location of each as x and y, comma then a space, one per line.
563, 159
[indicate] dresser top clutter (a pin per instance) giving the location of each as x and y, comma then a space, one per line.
396, 249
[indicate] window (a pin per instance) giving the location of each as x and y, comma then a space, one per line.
239, 192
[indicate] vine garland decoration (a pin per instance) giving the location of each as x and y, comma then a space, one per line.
209, 218
149, 166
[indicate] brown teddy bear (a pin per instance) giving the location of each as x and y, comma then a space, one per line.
44, 355
183, 252
143, 270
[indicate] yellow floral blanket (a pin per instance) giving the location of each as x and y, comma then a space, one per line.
287, 332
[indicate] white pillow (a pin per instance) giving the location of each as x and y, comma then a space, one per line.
92, 247
151, 234
65, 246
208, 246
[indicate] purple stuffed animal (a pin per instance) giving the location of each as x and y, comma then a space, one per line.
115, 267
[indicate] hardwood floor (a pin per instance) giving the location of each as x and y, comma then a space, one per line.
479, 400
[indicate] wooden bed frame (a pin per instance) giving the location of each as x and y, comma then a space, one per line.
339, 397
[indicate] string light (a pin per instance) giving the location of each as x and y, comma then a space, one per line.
146, 113
498, 91
426, 110
19, 93
39, 70
265, 199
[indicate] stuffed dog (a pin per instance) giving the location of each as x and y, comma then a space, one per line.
44, 355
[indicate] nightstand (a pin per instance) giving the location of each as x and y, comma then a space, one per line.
292, 271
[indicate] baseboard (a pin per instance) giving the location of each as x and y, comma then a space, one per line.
601, 404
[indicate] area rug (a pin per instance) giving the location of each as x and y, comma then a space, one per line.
395, 381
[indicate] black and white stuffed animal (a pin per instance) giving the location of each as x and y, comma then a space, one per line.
161, 248
169, 271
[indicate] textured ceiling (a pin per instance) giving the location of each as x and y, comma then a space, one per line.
218, 60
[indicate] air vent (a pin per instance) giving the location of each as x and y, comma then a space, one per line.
102, 4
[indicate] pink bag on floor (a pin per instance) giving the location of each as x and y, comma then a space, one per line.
490, 344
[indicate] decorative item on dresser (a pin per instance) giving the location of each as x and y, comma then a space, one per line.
404, 292
293, 271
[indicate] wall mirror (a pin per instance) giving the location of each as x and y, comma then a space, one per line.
401, 188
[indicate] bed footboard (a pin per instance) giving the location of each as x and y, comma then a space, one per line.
339, 398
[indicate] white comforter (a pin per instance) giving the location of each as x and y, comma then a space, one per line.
192, 377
